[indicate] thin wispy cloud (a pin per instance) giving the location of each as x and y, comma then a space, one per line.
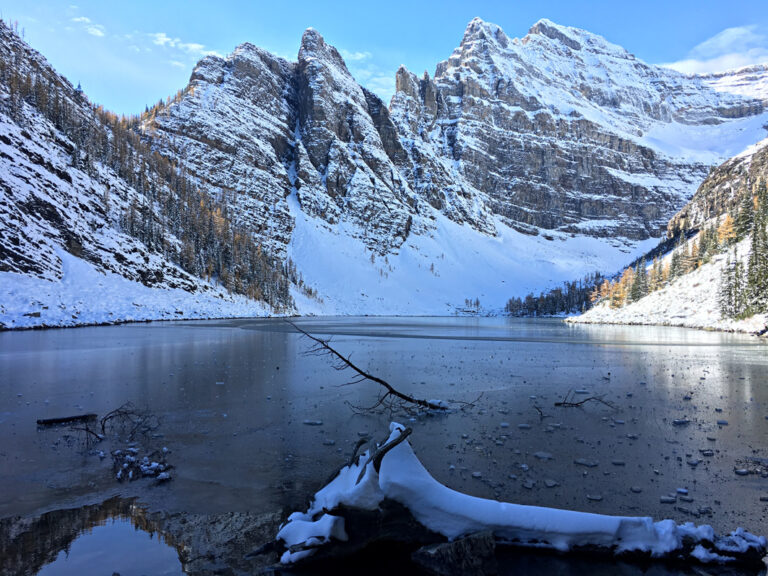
163, 40
354, 56
90, 26
732, 48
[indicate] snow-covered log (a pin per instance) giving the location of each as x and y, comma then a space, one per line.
402, 479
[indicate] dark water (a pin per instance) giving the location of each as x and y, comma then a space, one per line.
232, 398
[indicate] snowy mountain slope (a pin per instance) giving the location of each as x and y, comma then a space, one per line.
434, 274
750, 81
61, 210
690, 301
563, 130
523, 163
723, 188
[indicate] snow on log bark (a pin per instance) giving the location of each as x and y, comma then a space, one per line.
402, 479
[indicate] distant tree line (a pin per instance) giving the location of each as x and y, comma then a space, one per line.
171, 214
571, 298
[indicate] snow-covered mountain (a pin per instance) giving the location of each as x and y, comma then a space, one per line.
85, 239
521, 163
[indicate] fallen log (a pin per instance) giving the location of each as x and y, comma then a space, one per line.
403, 493
77, 419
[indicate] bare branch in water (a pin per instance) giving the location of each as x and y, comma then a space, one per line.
567, 401
341, 362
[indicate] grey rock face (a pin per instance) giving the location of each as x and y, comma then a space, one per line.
556, 131
550, 132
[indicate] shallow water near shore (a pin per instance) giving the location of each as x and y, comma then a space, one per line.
254, 426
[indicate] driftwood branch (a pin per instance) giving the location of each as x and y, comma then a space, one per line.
67, 420
344, 362
131, 419
567, 401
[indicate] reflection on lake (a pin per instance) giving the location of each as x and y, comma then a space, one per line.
232, 397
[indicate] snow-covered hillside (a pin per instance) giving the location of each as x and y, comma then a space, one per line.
690, 301
693, 300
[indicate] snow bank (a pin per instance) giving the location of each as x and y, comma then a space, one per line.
432, 274
85, 295
404, 479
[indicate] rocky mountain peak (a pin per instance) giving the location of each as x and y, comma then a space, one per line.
563, 34
482, 32
314, 48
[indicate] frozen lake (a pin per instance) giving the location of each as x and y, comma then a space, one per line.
253, 424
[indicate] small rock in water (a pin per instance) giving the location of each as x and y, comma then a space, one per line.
680, 422
682, 491
693, 462
722, 422
477, 474
313, 422
707, 453
594, 497
329, 442
581, 391
529, 484
635, 489
718, 409
618, 462
686, 499
465, 436
219, 383
524, 426
543, 455
667, 499
741, 471
549, 483
504, 424
585, 462
763, 498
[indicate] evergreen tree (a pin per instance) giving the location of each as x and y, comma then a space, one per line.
745, 216
757, 269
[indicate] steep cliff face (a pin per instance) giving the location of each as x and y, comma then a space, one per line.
93, 227
252, 128
50, 199
563, 130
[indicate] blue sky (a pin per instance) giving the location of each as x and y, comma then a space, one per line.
130, 54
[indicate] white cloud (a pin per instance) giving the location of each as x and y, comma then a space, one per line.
193, 48
177, 64
82, 19
95, 30
354, 56
161, 39
732, 48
